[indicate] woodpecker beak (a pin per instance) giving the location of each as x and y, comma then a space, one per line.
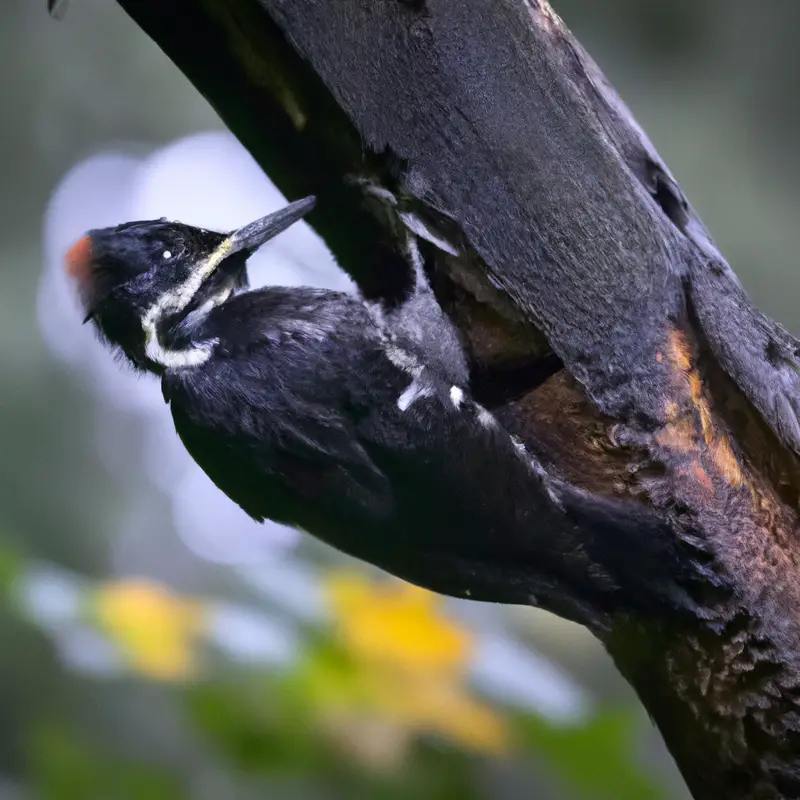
252, 236
247, 240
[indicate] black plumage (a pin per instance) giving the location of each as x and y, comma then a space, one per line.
352, 421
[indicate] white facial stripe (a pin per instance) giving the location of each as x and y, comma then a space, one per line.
175, 359
181, 295
196, 317
176, 300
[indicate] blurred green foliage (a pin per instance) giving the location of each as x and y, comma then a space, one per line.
68, 768
315, 722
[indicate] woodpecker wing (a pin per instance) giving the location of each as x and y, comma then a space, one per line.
305, 415
267, 417
311, 457
479, 508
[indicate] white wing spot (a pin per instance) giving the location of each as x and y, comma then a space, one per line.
167, 254
456, 395
412, 393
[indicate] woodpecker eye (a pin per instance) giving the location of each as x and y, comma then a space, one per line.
167, 254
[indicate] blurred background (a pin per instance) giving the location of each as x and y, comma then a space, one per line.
155, 643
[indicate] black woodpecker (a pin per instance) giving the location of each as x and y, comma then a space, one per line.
352, 421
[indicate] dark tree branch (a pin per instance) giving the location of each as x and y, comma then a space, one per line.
602, 324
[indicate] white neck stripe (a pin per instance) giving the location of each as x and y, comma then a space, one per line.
176, 300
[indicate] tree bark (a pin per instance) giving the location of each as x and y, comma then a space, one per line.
603, 327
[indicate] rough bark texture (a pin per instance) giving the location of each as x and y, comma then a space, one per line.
603, 326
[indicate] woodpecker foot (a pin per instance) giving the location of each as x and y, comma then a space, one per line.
411, 213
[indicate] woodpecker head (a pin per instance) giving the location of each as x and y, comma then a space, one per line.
142, 283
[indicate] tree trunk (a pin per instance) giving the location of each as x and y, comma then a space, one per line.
603, 327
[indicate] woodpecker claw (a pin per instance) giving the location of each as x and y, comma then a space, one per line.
418, 226
405, 211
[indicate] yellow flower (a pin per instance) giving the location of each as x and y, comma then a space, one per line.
396, 623
410, 662
154, 628
442, 706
